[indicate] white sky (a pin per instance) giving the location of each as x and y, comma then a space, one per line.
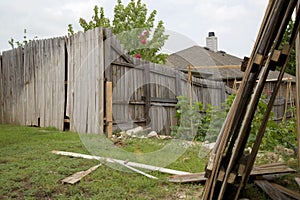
235, 22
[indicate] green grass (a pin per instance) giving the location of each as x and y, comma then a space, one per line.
30, 171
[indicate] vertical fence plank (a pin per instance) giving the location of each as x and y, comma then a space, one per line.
147, 93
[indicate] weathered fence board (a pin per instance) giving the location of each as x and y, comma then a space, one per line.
85, 90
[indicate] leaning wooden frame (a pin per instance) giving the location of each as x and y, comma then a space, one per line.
228, 155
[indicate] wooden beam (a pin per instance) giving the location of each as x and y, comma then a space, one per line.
111, 160
109, 120
286, 191
274, 168
163, 100
217, 67
276, 55
258, 59
196, 177
298, 91
135, 170
271, 80
79, 175
272, 192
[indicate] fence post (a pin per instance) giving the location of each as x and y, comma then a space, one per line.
147, 92
107, 39
109, 119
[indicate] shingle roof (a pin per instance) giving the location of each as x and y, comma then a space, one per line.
273, 76
201, 56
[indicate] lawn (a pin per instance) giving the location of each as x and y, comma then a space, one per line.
28, 169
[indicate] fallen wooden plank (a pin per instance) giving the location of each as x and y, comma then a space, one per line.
257, 171
273, 193
270, 165
132, 164
136, 170
271, 170
196, 177
79, 175
286, 191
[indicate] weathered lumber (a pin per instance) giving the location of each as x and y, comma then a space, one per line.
236, 129
79, 175
135, 170
284, 15
132, 164
273, 168
266, 171
272, 192
224, 136
298, 90
217, 67
272, 100
290, 193
109, 110
188, 178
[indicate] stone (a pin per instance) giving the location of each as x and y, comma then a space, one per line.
134, 131
152, 134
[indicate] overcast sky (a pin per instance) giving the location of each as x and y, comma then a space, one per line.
235, 22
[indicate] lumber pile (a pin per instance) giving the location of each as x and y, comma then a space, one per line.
228, 160
276, 191
256, 173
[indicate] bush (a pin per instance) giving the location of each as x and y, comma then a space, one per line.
204, 123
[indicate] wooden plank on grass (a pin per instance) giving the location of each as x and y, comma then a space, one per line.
135, 170
196, 177
271, 165
275, 168
132, 164
270, 190
271, 170
287, 191
79, 175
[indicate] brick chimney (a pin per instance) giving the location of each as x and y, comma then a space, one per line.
212, 42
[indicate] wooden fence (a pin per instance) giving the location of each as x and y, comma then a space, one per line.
32, 84
60, 82
146, 94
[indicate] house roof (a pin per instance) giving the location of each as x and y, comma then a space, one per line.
273, 76
202, 56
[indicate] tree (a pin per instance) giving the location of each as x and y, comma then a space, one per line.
98, 19
134, 28
291, 66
